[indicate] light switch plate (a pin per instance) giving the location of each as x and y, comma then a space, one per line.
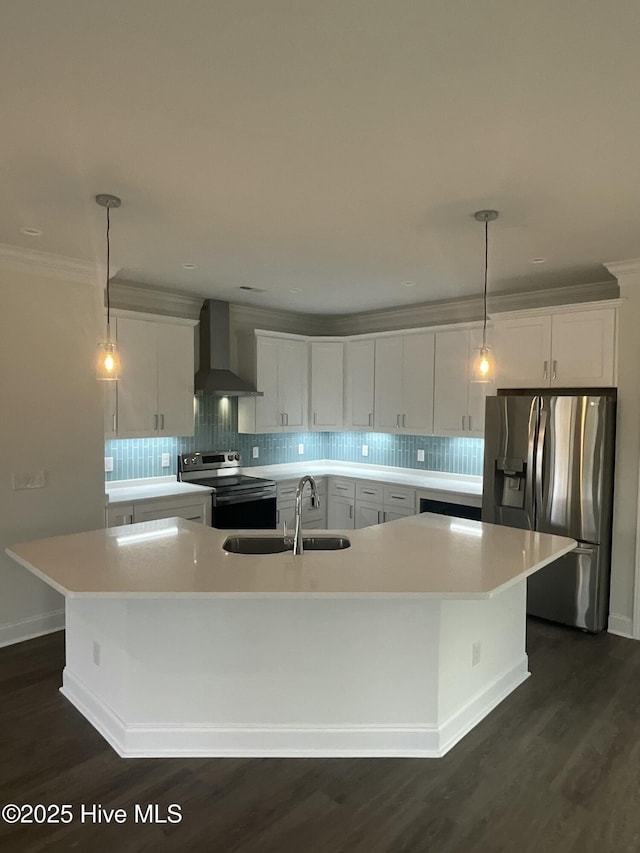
421, 456
29, 480
166, 460
256, 452
108, 463
365, 449
300, 449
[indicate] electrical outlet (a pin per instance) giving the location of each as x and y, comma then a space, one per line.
108, 463
256, 452
30, 480
300, 449
96, 652
365, 449
476, 649
166, 460
421, 456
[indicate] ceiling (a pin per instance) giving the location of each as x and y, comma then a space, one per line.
338, 148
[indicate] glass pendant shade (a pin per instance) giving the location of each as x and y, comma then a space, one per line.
108, 361
483, 368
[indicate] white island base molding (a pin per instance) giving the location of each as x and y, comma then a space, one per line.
293, 676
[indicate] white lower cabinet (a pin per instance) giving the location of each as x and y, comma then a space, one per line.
189, 507
116, 516
341, 513
367, 514
394, 514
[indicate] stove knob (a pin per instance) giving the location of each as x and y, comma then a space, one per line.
185, 460
194, 459
237, 457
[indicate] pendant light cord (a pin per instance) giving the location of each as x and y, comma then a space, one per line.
108, 249
486, 265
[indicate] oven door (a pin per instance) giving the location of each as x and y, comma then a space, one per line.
244, 512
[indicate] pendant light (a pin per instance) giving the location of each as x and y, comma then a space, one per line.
108, 361
483, 368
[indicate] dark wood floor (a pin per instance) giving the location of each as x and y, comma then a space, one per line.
555, 768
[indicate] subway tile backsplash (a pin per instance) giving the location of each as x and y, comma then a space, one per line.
216, 429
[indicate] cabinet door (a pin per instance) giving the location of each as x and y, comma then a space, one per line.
340, 514
359, 363
522, 347
394, 514
478, 391
119, 515
583, 348
388, 399
292, 383
286, 514
451, 383
175, 379
327, 372
110, 400
367, 515
417, 383
268, 411
138, 383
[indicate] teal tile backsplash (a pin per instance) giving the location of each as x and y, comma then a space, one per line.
216, 429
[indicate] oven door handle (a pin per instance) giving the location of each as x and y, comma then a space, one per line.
243, 498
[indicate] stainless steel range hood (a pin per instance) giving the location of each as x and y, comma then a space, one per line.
214, 376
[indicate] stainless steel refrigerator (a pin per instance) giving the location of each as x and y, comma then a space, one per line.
548, 466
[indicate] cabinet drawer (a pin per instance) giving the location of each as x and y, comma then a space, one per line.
370, 492
342, 487
399, 496
286, 491
153, 510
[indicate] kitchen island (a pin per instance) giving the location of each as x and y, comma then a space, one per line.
395, 646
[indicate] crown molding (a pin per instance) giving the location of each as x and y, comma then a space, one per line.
49, 264
565, 308
465, 310
249, 317
130, 296
624, 268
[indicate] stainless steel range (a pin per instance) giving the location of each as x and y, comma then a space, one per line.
237, 501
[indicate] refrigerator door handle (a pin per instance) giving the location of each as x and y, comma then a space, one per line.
540, 457
531, 453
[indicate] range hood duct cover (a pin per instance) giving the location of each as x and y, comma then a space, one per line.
214, 376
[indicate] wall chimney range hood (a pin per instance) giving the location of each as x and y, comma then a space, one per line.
214, 376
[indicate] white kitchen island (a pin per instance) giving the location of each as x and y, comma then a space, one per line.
396, 646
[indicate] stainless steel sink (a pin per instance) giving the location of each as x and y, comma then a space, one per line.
280, 545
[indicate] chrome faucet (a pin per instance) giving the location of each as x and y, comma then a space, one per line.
297, 536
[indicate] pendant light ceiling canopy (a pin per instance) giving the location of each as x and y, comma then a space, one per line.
483, 368
108, 361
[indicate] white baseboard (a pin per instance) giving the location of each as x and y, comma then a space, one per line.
35, 626
622, 626
286, 741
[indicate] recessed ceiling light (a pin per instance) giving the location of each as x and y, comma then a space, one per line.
408, 284
31, 232
189, 266
538, 260
295, 290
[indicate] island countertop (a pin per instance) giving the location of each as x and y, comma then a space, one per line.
427, 555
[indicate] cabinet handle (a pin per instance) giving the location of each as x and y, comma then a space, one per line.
379, 515
545, 372
463, 417
350, 510
114, 422
281, 418
366, 492
404, 421
161, 421
554, 374
370, 418
342, 488
314, 419
399, 497
155, 422
277, 516
384, 515
286, 414
398, 421
469, 423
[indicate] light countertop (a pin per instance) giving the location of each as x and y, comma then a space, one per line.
128, 491
454, 487
425, 555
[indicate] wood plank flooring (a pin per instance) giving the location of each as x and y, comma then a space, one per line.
555, 768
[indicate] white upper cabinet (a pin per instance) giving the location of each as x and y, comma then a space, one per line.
458, 402
327, 383
568, 347
279, 367
155, 389
359, 383
404, 383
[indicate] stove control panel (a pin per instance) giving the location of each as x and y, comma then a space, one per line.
208, 461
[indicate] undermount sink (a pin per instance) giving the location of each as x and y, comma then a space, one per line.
280, 545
